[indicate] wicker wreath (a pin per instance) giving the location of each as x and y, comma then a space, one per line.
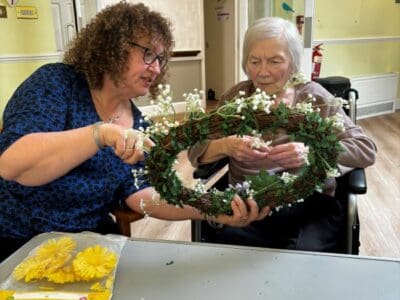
242, 118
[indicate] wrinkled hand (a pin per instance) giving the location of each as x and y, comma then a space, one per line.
289, 155
240, 148
243, 214
128, 144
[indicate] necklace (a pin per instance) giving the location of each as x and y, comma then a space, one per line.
116, 113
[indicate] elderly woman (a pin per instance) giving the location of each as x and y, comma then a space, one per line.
271, 56
66, 151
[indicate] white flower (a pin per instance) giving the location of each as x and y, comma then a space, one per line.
200, 187
304, 107
257, 141
287, 177
338, 101
333, 172
318, 188
295, 79
304, 156
193, 102
338, 121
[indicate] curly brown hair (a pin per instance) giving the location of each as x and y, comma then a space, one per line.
102, 47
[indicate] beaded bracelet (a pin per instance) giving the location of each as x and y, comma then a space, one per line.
96, 135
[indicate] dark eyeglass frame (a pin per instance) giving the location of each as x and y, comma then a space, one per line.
149, 57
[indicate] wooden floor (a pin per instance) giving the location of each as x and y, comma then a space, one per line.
379, 209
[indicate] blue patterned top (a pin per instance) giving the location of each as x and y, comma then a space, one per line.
57, 98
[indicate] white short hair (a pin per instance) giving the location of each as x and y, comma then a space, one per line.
274, 27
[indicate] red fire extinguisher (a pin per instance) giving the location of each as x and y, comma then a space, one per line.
316, 61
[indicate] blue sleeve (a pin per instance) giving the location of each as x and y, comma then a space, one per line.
38, 105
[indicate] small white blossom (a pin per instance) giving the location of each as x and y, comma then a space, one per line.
193, 101
287, 177
257, 141
304, 107
304, 156
333, 172
338, 122
318, 188
295, 79
200, 187
338, 102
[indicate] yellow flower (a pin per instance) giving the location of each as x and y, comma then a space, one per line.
57, 248
30, 269
94, 262
64, 275
48, 258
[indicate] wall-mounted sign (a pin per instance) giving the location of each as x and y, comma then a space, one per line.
26, 12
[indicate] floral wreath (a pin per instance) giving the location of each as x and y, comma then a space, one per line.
253, 116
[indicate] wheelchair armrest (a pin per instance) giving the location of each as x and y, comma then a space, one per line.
356, 181
214, 174
208, 170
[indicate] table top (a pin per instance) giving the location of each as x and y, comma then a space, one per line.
178, 270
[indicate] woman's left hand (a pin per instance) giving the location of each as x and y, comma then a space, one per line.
289, 155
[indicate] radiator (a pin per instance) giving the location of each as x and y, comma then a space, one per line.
377, 94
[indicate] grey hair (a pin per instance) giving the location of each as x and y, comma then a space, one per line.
274, 27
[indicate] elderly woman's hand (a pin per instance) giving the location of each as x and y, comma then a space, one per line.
243, 213
128, 144
289, 155
240, 148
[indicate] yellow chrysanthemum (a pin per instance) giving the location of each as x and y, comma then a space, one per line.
30, 269
57, 248
55, 264
94, 263
64, 275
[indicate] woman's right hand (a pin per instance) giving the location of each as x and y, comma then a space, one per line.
243, 213
128, 144
240, 148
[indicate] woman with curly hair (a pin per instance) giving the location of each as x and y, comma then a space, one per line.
67, 151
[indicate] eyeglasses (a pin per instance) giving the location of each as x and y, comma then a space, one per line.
149, 57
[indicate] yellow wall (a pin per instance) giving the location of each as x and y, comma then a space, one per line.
23, 37
343, 19
356, 18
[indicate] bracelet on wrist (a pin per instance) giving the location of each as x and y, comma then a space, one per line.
96, 135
